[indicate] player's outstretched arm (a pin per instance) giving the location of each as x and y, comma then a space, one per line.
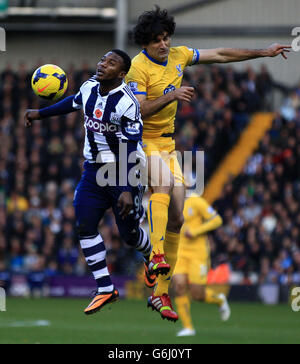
60, 108
226, 55
150, 107
205, 227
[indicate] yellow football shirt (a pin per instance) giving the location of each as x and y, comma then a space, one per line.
199, 219
154, 79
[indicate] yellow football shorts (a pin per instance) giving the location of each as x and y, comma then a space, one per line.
165, 148
195, 267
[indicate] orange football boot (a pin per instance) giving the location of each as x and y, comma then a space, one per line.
100, 300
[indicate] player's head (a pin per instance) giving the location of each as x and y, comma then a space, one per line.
114, 65
153, 32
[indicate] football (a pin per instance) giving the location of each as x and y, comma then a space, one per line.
49, 82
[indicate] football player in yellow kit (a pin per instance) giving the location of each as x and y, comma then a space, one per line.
193, 262
155, 78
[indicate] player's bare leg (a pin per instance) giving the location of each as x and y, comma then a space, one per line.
183, 304
209, 295
176, 219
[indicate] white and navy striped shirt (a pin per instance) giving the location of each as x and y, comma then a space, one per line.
108, 119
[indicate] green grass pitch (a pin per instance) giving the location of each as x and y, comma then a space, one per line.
51, 320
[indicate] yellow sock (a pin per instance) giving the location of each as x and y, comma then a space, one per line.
171, 248
158, 218
183, 305
212, 297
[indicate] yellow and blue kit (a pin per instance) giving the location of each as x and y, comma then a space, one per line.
193, 256
152, 78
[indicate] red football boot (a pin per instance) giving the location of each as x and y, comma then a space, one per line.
158, 265
163, 305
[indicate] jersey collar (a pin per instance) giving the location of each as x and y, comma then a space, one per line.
114, 90
154, 60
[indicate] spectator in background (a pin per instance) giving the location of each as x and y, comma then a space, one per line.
271, 240
67, 255
36, 277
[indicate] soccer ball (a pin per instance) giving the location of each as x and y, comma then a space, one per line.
49, 82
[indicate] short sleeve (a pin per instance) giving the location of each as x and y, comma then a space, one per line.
205, 210
77, 101
133, 112
132, 126
192, 55
136, 79
85, 87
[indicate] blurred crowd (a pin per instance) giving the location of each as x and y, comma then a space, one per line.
261, 231
40, 167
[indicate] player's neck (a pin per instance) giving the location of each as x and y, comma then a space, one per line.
108, 85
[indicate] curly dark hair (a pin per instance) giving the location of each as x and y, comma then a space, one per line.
151, 24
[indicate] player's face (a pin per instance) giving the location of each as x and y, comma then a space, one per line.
159, 47
110, 67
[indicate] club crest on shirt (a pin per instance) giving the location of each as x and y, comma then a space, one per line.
115, 118
180, 72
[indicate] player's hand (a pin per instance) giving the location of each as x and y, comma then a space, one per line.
125, 204
275, 49
184, 93
188, 234
30, 115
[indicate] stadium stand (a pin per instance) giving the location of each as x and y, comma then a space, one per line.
261, 209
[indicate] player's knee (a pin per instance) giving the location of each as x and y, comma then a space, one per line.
180, 289
180, 221
197, 293
131, 238
167, 189
171, 183
179, 286
175, 222
83, 230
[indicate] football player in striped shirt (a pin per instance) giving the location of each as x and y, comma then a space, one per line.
111, 119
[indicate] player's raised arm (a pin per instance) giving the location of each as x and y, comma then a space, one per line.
226, 55
65, 106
